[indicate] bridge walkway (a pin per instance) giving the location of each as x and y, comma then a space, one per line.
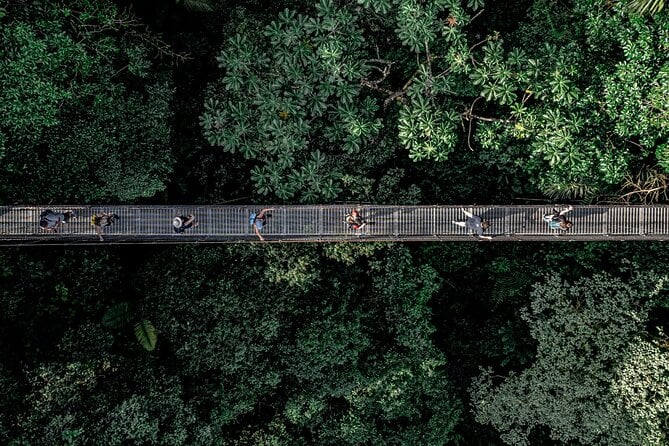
325, 223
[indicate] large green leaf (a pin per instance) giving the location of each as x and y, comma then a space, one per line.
145, 333
117, 316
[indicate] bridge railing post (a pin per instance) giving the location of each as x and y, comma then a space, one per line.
396, 221
320, 222
247, 225
284, 220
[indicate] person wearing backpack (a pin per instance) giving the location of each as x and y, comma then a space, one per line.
557, 219
51, 221
259, 220
102, 219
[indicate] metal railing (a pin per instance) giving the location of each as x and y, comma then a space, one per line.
326, 223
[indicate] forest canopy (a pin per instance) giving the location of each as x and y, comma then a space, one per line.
574, 99
363, 101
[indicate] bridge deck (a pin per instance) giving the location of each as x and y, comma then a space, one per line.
153, 224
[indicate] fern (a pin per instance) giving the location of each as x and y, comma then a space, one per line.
509, 286
145, 333
570, 191
117, 316
197, 5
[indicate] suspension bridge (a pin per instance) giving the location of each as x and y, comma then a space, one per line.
19, 225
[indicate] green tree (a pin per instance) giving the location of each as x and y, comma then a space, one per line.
571, 103
267, 331
589, 87
84, 112
532, 100
593, 360
290, 101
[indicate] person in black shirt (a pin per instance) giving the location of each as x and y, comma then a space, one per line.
183, 222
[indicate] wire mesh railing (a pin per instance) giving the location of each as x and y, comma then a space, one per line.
154, 224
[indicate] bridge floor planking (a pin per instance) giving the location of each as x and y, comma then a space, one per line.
153, 224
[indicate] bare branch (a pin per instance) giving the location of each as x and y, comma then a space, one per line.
469, 130
476, 15
396, 95
381, 61
648, 186
471, 48
373, 85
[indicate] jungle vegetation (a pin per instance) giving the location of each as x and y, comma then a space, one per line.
305, 101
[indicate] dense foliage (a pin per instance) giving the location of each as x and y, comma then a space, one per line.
598, 377
340, 344
84, 114
573, 99
291, 347
391, 101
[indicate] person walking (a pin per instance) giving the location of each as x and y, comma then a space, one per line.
51, 221
557, 219
101, 220
259, 220
183, 222
474, 223
355, 220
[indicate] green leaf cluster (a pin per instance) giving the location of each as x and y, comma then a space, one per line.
84, 111
291, 102
306, 345
592, 362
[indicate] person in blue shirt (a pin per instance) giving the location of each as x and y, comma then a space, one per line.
259, 220
557, 219
475, 224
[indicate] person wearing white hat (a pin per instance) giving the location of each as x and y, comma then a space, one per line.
183, 222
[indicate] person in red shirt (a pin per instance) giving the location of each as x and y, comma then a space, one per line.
354, 220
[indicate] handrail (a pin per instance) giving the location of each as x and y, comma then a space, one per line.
325, 223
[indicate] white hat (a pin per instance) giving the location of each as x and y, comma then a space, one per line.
177, 222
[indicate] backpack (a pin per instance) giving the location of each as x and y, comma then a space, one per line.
43, 221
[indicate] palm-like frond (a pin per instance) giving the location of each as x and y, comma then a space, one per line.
645, 6
117, 316
570, 191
